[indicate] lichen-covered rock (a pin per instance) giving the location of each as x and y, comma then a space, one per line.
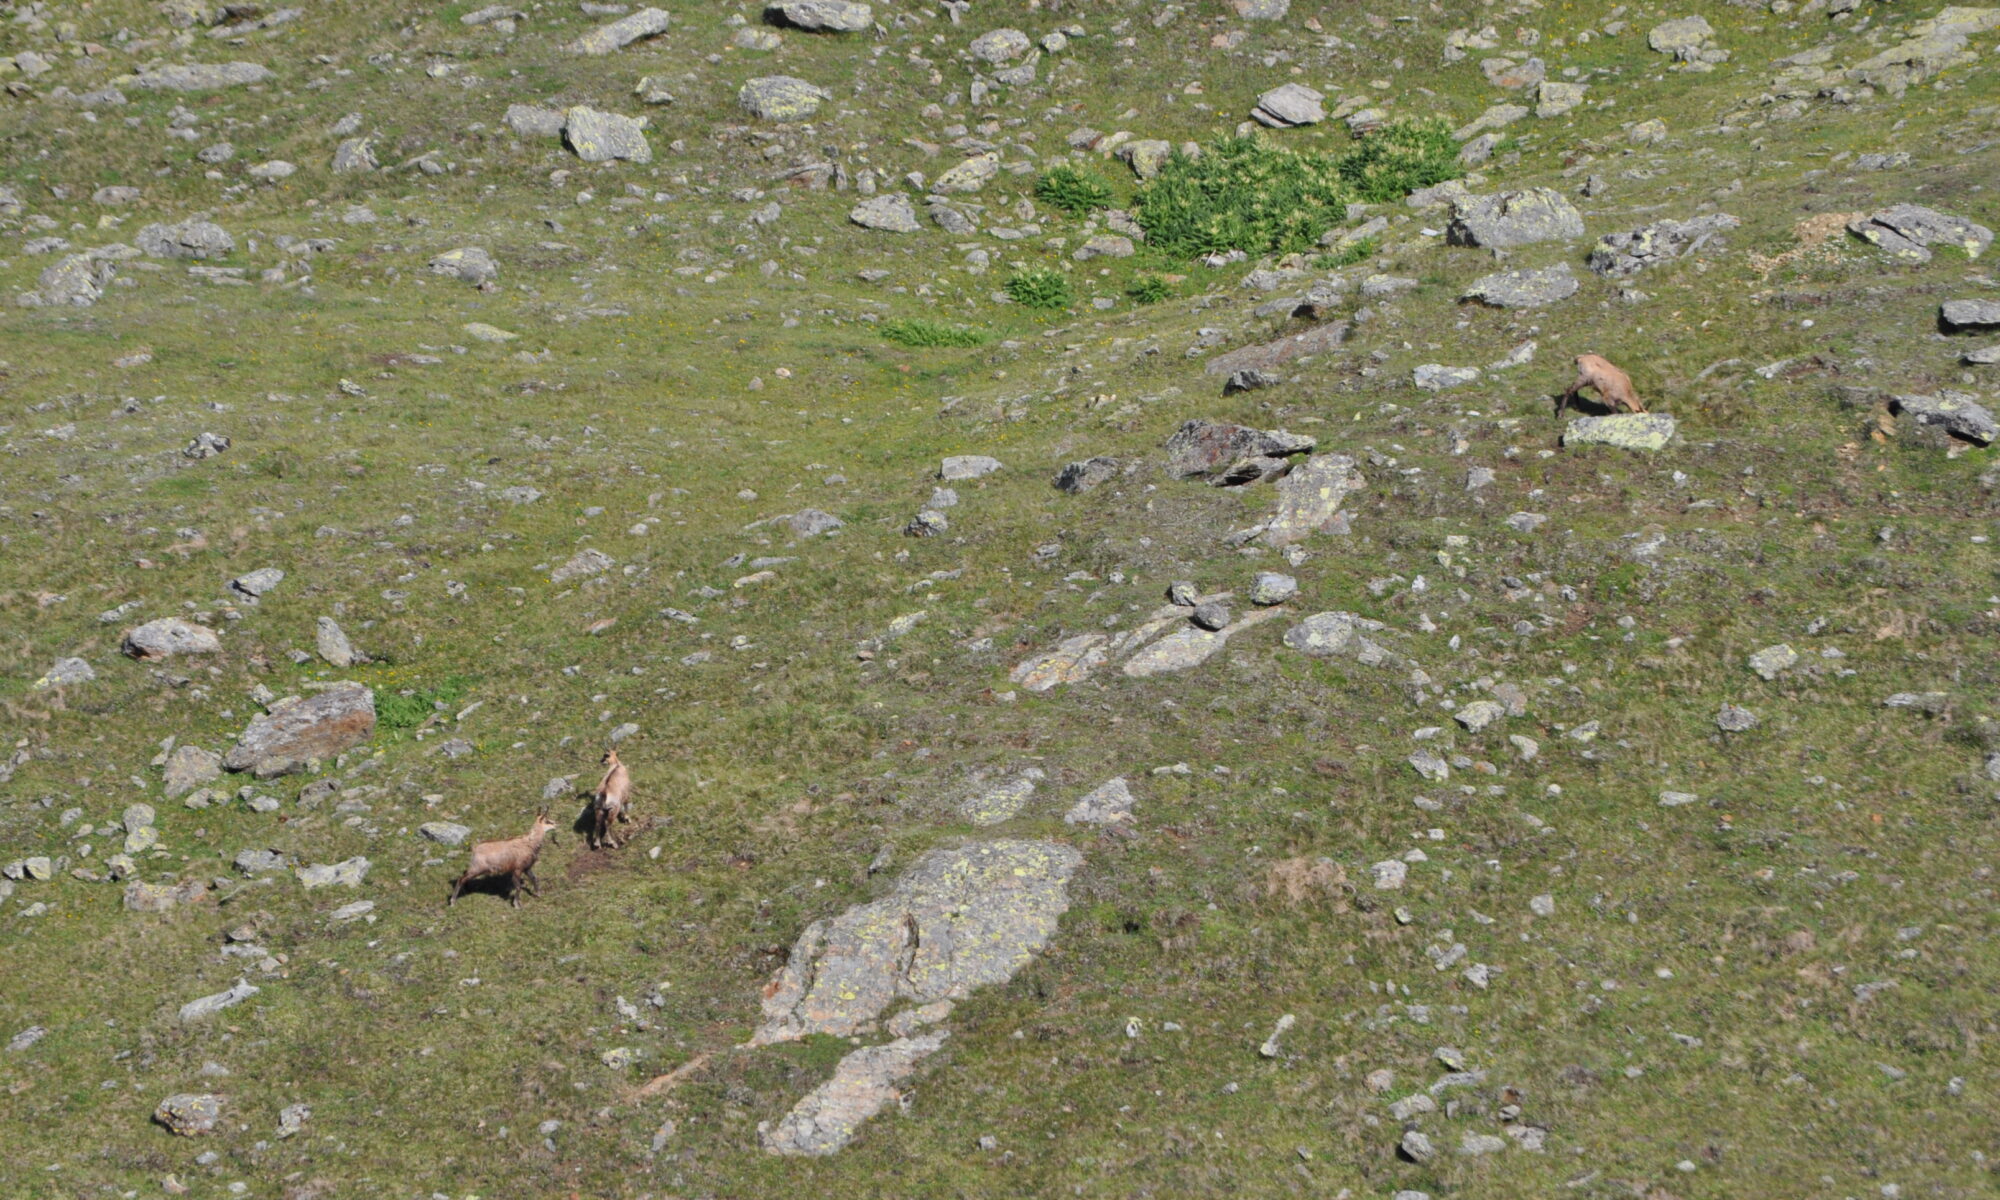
1936, 44
297, 732
76, 280
160, 897
647, 22
998, 802
782, 98
1620, 255
1107, 804
1309, 497
1629, 431
193, 238
969, 176
1553, 99
198, 77
346, 873
1509, 219
959, 920
822, 16
1341, 635
68, 672
596, 137
1268, 356
189, 1113
1190, 646
168, 637
863, 1084
890, 212
1773, 661
1908, 231
1072, 661
355, 156
1681, 36
1958, 414
188, 767
471, 264
999, 45
1529, 287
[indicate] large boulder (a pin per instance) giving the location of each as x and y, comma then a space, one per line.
890, 212
192, 238
960, 920
1532, 287
296, 732
1624, 254
821, 16
1908, 231
595, 136
168, 637
1290, 105
1309, 497
1958, 315
1509, 219
1226, 455
645, 23
782, 98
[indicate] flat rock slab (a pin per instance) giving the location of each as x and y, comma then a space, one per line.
1310, 496
199, 77
1509, 219
595, 136
647, 22
1530, 287
1190, 646
958, 467
999, 802
1269, 356
1957, 413
1226, 454
193, 238
821, 16
891, 212
293, 734
208, 1006
865, 1082
1072, 661
1970, 314
1629, 431
959, 920
346, 873
1288, 105
141, 896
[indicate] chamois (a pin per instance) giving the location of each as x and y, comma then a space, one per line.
1614, 387
513, 858
611, 803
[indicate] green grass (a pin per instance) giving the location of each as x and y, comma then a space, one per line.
1073, 190
921, 332
406, 708
1041, 287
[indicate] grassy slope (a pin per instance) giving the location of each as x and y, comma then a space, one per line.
778, 771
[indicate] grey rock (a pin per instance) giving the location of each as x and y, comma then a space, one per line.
1341, 635
1970, 314
1079, 477
1957, 414
1309, 498
967, 466
1681, 37
1621, 255
347, 873
782, 98
189, 1113
68, 672
822, 16
258, 862
959, 920
584, 563
1000, 802
999, 45
355, 156
970, 175
1211, 614
530, 120
255, 584
1249, 379
1261, 10
188, 767
1734, 719
27, 1038
208, 1006
1105, 245
865, 1082
1227, 455
206, 445
469, 264
890, 212
1773, 661
330, 640
647, 22
141, 896
1509, 219
1526, 288
1290, 105
199, 77
1190, 646
1908, 231
1071, 661
220, 152
1553, 99
192, 238
928, 523
1107, 804
1630, 431
811, 522
1478, 714
76, 280
1932, 45
292, 1119
298, 732
1436, 377
1269, 356
1985, 356
597, 137
169, 636
1511, 73
1416, 1147
1272, 588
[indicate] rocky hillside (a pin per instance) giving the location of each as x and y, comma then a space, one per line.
1138, 676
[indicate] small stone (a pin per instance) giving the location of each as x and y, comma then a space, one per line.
967, 466
168, 637
1733, 719
1389, 874
189, 1113
448, 833
891, 212
1773, 661
1212, 614
1416, 1147
1478, 715
1079, 477
1108, 804
1271, 588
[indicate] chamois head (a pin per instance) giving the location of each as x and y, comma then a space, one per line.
610, 758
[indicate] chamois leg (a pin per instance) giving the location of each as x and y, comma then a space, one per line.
534, 884
456, 888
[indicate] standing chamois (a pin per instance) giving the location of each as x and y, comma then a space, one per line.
513, 858
611, 803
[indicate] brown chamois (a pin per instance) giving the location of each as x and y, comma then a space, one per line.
513, 858
1614, 387
611, 803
